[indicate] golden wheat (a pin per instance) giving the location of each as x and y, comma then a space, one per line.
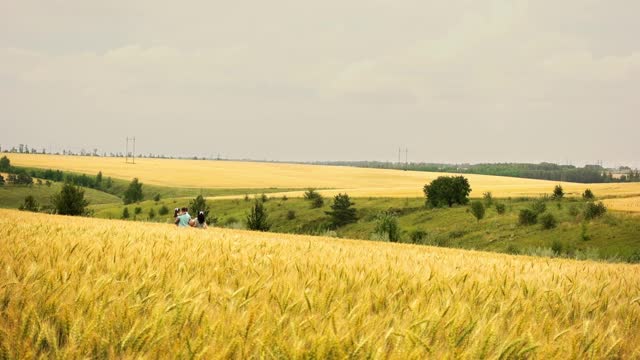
79, 287
630, 204
358, 182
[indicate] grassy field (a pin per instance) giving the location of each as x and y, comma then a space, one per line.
614, 237
358, 182
79, 287
11, 196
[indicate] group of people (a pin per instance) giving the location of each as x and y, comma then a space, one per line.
182, 218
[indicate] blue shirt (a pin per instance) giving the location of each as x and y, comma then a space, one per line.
184, 219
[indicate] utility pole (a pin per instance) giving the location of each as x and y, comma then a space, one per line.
406, 158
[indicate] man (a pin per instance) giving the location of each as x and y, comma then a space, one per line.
184, 218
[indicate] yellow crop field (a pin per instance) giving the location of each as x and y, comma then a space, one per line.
80, 287
630, 204
358, 182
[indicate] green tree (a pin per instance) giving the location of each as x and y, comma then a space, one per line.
447, 190
152, 213
548, 221
164, 210
1, 180
342, 211
108, 183
593, 210
133, 192
99, 179
477, 209
199, 204
70, 200
137, 210
125, 213
501, 208
588, 195
311, 194
488, 199
156, 197
527, 217
317, 202
387, 223
5, 164
258, 219
558, 193
30, 204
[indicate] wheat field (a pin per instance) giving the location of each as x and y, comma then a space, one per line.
80, 287
358, 182
629, 204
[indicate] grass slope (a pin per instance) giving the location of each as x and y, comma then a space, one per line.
79, 287
11, 196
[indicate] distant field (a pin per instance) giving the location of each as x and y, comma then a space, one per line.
90, 288
630, 204
358, 182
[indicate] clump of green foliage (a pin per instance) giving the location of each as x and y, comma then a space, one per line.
447, 190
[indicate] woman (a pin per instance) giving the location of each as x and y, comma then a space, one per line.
176, 213
200, 221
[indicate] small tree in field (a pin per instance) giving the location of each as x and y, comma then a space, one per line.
257, 219
30, 204
70, 200
447, 190
477, 209
125, 213
5, 164
164, 210
558, 193
387, 224
133, 192
588, 195
199, 204
1, 180
152, 214
342, 212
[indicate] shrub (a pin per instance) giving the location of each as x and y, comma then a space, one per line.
246, 197
156, 197
264, 198
164, 210
539, 206
257, 219
447, 190
342, 211
488, 199
558, 193
588, 195
501, 208
231, 220
30, 204
133, 192
583, 232
574, 210
291, 215
512, 249
548, 221
311, 194
199, 203
137, 210
70, 200
125, 213
152, 213
387, 223
47, 183
593, 210
556, 247
5, 164
284, 198
527, 217
317, 202
418, 236
477, 210
1, 180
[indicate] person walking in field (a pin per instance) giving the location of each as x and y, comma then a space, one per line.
184, 219
200, 221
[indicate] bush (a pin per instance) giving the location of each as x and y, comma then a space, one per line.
257, 219
125, 213
548, 221
593, 210
164, 210
152, 213
156, 197
317, 202
501, 208
1, 180
246, 197
311, 194
588, 195
47, 183
447, 190
30, 204
5, 164
199, 203
418, 236
264, 198
488, 199
527, 217
556, 247
291, 215
70, 200
477, 210
558, 193
137, 210
539, 206
574, 210
583, 232
387, 223
512, 249
342, 211
133, 192
284, 198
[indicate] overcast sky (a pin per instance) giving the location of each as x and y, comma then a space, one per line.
452, 81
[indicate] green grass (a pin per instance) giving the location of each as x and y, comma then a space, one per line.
12, 196
614, 236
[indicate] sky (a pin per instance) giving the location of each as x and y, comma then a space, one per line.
451, 81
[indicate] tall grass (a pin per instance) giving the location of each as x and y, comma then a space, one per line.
78, 287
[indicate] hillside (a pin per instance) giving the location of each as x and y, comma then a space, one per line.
358, 182
77, 287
